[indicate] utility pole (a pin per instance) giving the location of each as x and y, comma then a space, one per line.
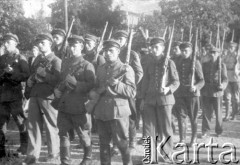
66, 14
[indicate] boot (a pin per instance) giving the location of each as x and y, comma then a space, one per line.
2, 146
23, 143
182, 132
65, 154
105, 155
194, 135
227, 115
87, 157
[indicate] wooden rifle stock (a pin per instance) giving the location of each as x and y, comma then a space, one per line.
100, 42
194, 60
64, 45
166, 59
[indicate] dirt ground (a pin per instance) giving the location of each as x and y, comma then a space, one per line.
231, 134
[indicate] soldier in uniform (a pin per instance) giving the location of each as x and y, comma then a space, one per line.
187, 96
158, 100
58, 38
212, 92
232, 92
14, 70
78, 78
121, 36
90, 55
112, 110
90, 51
176, 52
45, 78
62, 53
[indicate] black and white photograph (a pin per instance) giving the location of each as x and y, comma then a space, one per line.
119, 82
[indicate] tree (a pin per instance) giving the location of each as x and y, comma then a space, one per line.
12, 20
90, 15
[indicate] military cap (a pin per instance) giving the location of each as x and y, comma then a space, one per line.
185, 45
214, 49
59, 32
44, 36
233, 44
176, 43
90, 37
120, 33
111, 43
75, 39
10, 36
209, 46
157, 40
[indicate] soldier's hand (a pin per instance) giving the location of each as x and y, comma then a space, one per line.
71, 80
220, 87
164, 90
113, 81
57, 93
142, 105
29, 82
41, 72
193, 88
8, 69
38, 79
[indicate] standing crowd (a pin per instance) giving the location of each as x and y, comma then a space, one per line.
79, 89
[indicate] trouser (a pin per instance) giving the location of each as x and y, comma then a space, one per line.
139, 112
231, 96
158, 120
211, 104
82, 125
180, 114
189, 106
116, 129
40, 110
7, 109
132, 121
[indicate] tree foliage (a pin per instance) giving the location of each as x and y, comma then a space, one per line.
90, 15
12, 20
204, 14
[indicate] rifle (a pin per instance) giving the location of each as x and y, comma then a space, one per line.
43, 64
182, 32
95, 94
110, 33
210, 40
63, 89
219, 58
64, 45
194, 60
100, 43
166, 59
233, 36
5, 76
190, 33
165, 32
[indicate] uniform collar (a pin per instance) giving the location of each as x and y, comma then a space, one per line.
112, 64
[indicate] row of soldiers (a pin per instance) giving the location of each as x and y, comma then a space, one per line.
70, 75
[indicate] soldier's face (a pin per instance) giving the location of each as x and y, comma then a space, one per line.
10, 45
90, 45
111, 54
186, 52
122, 41
76, 49
176, 50
57, 39
44, 46
214, 55
157, 49
232, 48
35, 51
